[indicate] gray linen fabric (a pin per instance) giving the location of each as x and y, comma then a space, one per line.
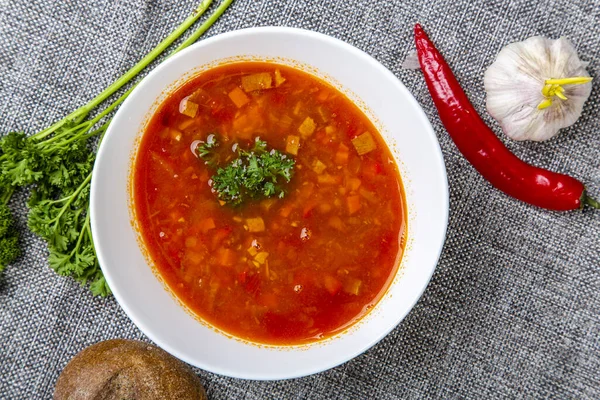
513, 310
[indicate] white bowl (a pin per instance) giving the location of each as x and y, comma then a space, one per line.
404, 126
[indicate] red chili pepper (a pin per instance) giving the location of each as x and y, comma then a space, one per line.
484, 150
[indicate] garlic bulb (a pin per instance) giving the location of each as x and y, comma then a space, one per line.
536, 87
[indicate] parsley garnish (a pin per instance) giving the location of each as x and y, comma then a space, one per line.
253, 174
207, 151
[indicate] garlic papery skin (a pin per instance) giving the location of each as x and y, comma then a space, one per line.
519, 95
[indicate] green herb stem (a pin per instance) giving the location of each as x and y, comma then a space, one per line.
70, 198
82, 235
67, 132
591, 201
8, 192
89, 231
82, 112
189, 41
205, 26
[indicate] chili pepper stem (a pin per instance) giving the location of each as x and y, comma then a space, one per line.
590, 201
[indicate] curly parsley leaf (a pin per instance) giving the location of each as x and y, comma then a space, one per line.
9, 238
255, 173
208, 151
64, 222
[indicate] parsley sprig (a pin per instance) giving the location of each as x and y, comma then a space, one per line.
208, 151
255, 173
58, 161
9, 237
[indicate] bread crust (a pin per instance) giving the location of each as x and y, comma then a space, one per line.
127, 369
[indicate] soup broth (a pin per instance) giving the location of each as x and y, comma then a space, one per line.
281, 270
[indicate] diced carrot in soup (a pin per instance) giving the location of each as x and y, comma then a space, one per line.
246, 124
176, 135
261, 257
307, 127
324, 114
308, 207
188, 107
268, 203
364, 143
207, 224
332, 284
328, 179
318, 166
323, 95
285, 122
255, 224
353, 184
342, 154
306, 190
292, 144
353, 204
271, 270
325, 207
194, 257
352, 286
336, 223
259, 81
370, 196
279, 79
191, 241
238, 97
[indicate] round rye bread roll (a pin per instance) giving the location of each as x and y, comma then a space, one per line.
127, 369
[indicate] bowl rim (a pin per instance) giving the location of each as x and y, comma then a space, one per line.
437, 153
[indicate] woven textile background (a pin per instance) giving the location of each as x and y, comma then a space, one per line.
513, 309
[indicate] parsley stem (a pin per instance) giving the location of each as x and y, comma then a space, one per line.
64, 133
85, 127
9, 190
89, 230
204, 27
85, 132
82, 235
71, 198
189, 41
82, 112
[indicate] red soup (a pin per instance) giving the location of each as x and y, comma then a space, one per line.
269, 203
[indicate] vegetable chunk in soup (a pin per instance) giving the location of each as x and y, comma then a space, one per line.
269, 203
